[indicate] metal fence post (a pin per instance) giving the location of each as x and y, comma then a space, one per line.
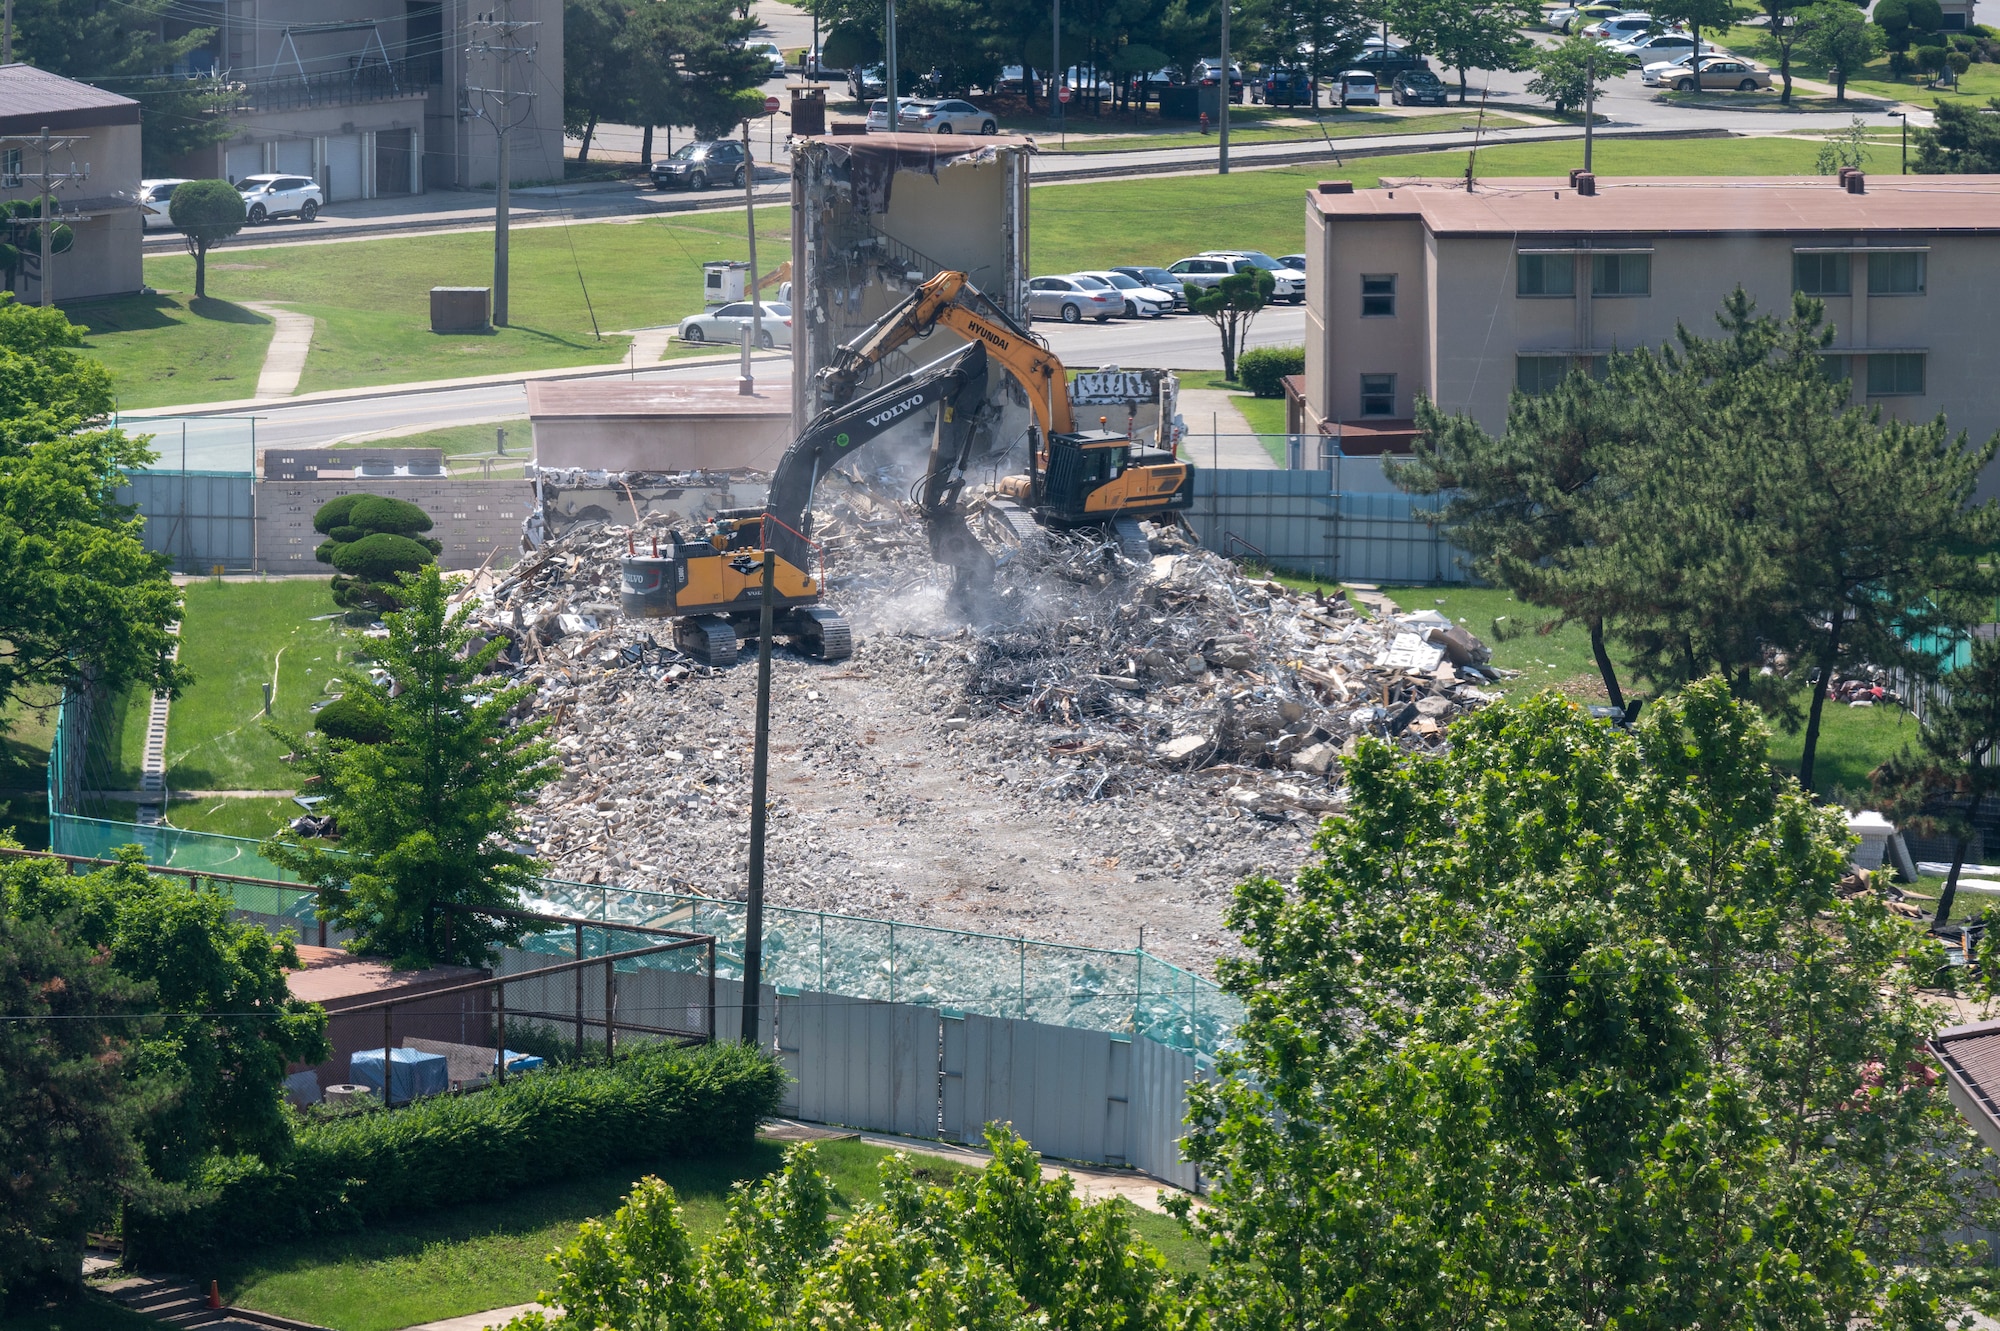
711, 989
892, 961
1022, 945
500, 1020
388, 1066
579, 993
610, 1011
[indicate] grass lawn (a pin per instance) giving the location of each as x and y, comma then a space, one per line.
370, 299
237, 636
1096, 222
88, 1310
252, 817
466, 447
1336, 125
1980, 81
27, 728
474, 1258
173, 348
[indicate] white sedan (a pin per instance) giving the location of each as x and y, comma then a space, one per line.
726, 325
1141, 301
947, 117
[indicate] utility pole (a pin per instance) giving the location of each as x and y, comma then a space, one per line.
746, 383
507, 110
889, 70
7, 36
1222, 120
760, 773
1058, 81
46, 146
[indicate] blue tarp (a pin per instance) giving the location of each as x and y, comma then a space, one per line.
416, 1073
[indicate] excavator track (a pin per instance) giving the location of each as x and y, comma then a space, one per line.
710, 639
1018, 522
1131, 539
824, 634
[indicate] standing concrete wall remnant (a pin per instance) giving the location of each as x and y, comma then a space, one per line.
874, 217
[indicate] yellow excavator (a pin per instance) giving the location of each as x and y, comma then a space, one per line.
1074, 478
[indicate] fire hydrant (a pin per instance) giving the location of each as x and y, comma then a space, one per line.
1204, 122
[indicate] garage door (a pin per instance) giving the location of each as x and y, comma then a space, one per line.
393, 164
341, 178
244, 160
295, 157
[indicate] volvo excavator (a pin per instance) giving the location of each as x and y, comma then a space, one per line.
710, 582
1074, 478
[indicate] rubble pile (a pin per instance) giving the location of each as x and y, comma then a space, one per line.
1096, 747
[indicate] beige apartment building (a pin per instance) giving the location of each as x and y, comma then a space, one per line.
1466, 296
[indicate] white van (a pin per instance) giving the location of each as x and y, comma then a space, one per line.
1357, 88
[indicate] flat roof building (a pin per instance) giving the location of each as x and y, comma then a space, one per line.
102, 210
1421, 286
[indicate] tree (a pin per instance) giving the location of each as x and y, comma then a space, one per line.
1904, 22
1569, 73
232, 1026
1843, 148
427, 814
998, 1250
1230, 305
372, 540
206, 213
68, 1111
1569, 1027
1783, 16
689, 66
1539, 508
1466, 34
1834, 35
1962, 140
123, 47
1948, 781
81, 599
596, 73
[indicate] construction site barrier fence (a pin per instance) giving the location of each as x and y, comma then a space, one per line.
1132, 993
1344, 523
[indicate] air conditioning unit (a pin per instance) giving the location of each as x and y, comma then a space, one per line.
10, 182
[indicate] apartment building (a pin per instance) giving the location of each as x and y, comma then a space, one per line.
1467, 295
97, 177
373, 98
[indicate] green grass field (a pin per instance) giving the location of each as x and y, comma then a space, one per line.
245, 816
238, 636
173, 348
474, 1258
1334, 125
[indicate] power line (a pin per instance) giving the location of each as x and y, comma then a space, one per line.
506, 110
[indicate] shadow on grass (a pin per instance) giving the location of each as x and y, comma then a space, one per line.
129, 314
224, 311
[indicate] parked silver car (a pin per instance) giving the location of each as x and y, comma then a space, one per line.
266, 197
726, 325
906, 107
1141, 301
950, 116
1070, 300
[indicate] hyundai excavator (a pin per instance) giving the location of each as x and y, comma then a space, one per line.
1074, 478
710, 582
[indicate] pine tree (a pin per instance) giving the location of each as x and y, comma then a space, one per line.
1945, 784
426, 815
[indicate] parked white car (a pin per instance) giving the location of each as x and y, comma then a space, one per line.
1624, 28
1288, 284
1141, 301
154, 196
878, 113
266, 197
1358, 88
726, 325
1661, 46
950, 116
770, 51
1070, 300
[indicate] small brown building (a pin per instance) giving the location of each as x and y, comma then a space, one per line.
696, 425
338, 980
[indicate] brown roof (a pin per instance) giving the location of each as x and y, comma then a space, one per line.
33, 99
335, 978
1971, 1059
1660, 205
694, 397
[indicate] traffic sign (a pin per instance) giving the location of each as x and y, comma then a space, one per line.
770, 106
1063, 96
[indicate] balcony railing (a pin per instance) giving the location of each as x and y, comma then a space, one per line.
367, 83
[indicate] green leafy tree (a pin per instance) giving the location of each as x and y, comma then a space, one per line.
597, 76
1569, 73
1568, 1026
1230, 305
1834, 35
231, 1027
427, 814
81, 599
1843, 147
1466, 34
69, 1112
373, 540
999, 1250
689, 65
206, 213
1962, 140
1320, 36
1906, 22
124, 47
1783, 16
1943, 785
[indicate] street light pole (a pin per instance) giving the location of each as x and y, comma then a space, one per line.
746, 385
1057, 80
1222, 102
1905, 120
889, 70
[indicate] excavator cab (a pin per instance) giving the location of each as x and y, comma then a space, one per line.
1102, 477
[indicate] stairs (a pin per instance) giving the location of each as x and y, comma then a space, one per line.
183, 1303
153, 764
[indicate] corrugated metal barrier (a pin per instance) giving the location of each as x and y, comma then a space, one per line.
1346, 523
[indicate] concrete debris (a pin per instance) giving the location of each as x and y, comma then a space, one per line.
1094, 745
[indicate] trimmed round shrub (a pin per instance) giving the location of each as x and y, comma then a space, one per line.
380, 556
348, 533
333, 513
353, 719
1262, 370
378, 513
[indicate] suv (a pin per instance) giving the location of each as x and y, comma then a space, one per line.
155, 196
1285, 86
1288, 283
1208, 73
701, 164
265, 197
1417, 87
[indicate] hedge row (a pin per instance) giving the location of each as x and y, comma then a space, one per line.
345, 1173
1262, 370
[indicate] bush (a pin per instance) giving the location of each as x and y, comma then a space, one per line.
346, 1173
333, 513
1263, 369
380, 556
352, 719
381, 513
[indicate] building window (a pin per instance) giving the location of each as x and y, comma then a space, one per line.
1535, 375
1545, 275
10, 166
1378, 395
1899, 375
1820, 274
1621, 274
1837, 369
1378, 295
1896, 274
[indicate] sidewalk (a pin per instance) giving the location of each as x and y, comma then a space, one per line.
1234, 443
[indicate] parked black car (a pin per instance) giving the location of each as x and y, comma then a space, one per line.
1288, 87
1386, 65
1208, 73
1418, 87
699, 165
